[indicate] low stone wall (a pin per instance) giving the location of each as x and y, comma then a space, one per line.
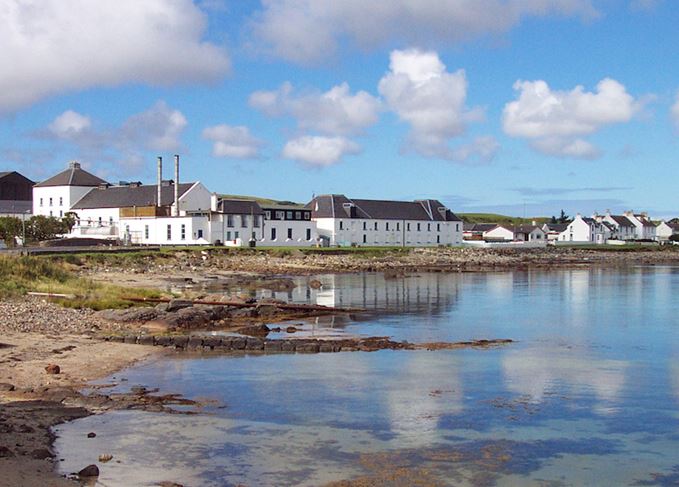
237, 343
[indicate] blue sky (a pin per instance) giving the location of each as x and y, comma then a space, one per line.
521, 107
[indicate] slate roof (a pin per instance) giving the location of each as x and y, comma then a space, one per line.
622, 221
645, 221
239, 207
526, 228
129, 196
556, 227
338, 206
479, 227
16, 206
73, 176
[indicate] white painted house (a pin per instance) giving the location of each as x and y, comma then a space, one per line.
357, 222
585, 230
288, 225
645, 229
621, 227
665, 230
499, 233
57, 195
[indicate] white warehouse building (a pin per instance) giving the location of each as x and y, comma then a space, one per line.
342, 221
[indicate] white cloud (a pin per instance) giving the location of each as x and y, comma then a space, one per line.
335, 112
432, 100
482, 148
555, 121
69, 124
674, 111
319, 151
57, 46
158, 128
307, 31
232, 142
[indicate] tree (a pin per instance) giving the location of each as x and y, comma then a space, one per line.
563, 218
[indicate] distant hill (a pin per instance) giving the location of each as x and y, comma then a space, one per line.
502, 219
261, 201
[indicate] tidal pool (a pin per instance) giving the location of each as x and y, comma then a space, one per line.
589, 394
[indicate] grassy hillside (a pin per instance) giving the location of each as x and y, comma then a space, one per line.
261, 201
502, 219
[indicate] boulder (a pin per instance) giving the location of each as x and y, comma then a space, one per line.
53, 369
89, 471
5, 452
41, 454
254, 344
5, 387
177, 304
254, 330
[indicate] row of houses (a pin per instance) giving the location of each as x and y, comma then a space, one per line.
171, 213
597, 229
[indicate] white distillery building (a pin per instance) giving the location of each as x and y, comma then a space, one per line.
357, 222
644, 227
237, 222
621, 227
665, 230
57, 195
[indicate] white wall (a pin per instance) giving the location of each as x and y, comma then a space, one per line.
299, 228
357, 231
63, 198
499, 233
197, 198
577, 231
157, 230
236, 235
663, 232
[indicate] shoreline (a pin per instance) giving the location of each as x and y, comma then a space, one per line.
32, 400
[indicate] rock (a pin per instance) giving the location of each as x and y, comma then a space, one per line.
272, 346
254, 344
5, 387
131, 315
212, 342
41, 454
105, 457
266, 310
254, 330
146, 340
195, 342
177, 304
53, 369
91, 434
89, 471
188, 318
315, 284
242, 313
291, 329
5, 452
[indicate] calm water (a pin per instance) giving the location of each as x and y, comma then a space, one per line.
588, 396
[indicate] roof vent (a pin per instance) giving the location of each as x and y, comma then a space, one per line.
74, 165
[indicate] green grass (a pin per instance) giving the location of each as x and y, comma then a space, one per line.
19, 275
261, 201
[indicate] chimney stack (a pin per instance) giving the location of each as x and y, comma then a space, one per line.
176, 185
160, 179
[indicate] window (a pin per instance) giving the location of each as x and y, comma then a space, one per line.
429, 227
438, 239
169, 232
182, 232
438, 227
418, 227
200, 233
61, 213
229, 221
280, 215
457, 227
244, 221
273, 234
290, 233
365, 225
307, 215
267, 214
341, 225
398, 226
308, 233
408, 226
288, 215
375, 225
50, 201
236, 235
387, 226
255, 221
146, 232
365, 238
228, 235
110, 220
61, 201
40, 201
50, 212
298, 215
100, 221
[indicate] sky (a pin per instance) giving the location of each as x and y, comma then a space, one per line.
523, 107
